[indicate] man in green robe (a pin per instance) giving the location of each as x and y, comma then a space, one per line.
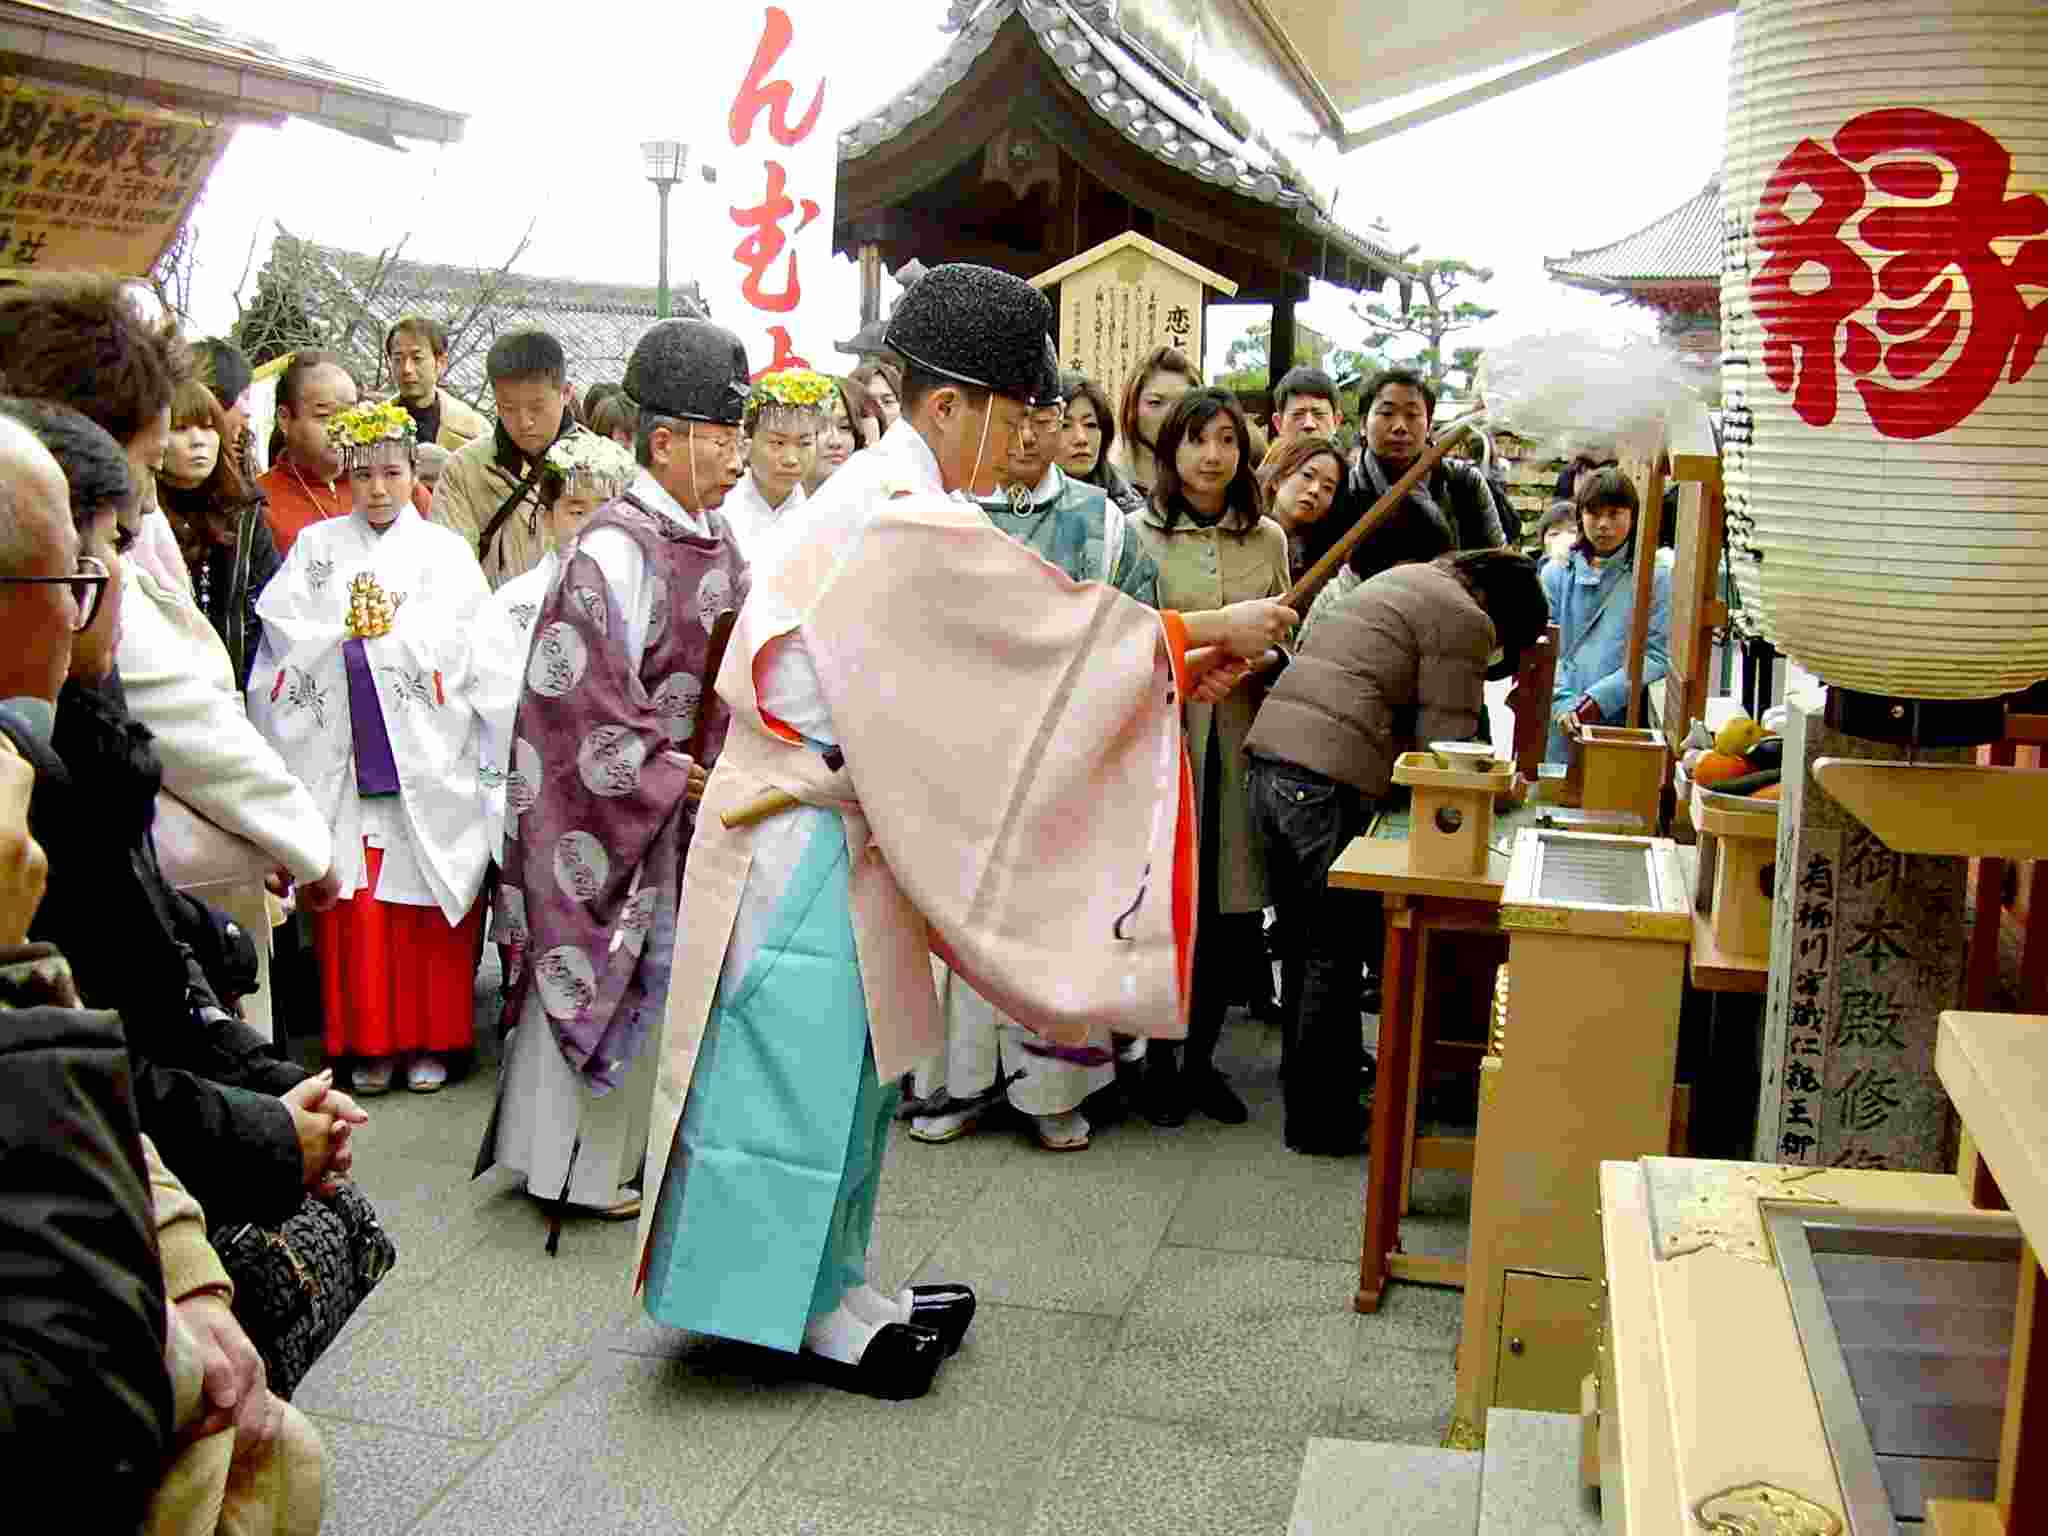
990, 1058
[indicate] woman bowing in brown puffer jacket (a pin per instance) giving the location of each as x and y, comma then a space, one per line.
1395, 660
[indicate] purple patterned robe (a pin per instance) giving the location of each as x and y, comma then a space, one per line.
596, 825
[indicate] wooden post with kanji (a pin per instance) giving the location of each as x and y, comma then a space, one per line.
1121, 299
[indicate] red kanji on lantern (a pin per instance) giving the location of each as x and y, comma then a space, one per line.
759, 94
1944, 181
764, 242
785, 354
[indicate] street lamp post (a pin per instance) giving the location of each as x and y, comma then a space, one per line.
665, 161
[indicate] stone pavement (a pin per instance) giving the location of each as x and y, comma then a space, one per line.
1165, 1322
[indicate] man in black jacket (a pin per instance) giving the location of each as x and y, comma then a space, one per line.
1450, 511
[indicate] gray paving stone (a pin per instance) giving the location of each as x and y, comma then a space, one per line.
380, 1480
781, 1512
1353, 1489
631, 1446
1398, 1396
1065, 1237
1138, 1478
469, 1355
950, 1450
1312, 1210
1250, 1340
1532, 1477
1023, 1355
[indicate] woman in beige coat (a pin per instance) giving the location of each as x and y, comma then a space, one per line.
1203, 529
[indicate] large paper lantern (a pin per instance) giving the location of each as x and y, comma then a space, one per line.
1885, 305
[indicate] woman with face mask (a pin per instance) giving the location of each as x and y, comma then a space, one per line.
219, 520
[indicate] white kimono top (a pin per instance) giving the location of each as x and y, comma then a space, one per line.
433, 832
759, 528
504, 642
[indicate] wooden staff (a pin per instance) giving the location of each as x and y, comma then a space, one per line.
714, 658
1381, 511
1648, 530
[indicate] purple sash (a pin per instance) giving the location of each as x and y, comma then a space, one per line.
376, 768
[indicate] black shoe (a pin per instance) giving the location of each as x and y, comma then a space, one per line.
944, 1309
1372, 997
1164, 1099
898, 1364
1327, 1146
1210, 1092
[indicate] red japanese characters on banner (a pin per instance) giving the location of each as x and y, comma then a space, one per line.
778, 169
1942, 188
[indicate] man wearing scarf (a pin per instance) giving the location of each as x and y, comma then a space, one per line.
940, 745
989, 1056
608, 759
1450, 511
489, 492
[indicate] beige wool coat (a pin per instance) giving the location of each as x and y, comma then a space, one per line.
1201, 569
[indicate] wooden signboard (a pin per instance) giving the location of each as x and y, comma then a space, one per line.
1123, 298
91, 184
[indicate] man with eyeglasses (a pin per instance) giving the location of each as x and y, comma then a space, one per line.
989, 1057
47, 594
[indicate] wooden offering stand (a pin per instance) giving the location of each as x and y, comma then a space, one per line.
1580, 1068
1451, 823
1995, 1068
1738, 842
1615, 768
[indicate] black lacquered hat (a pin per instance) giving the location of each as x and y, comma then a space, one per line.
691, 370
978, 326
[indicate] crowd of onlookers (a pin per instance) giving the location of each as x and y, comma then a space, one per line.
161, 1150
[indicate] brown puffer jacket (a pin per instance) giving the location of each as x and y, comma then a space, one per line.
1399, 661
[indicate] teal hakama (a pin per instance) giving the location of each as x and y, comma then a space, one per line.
779, 1154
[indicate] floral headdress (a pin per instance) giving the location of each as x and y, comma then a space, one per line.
792, 389
359, 432
584, 461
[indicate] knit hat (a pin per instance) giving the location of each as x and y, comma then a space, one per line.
976, 326
690, 370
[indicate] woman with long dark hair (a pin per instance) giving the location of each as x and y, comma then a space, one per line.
1204, 530
1301, 485
1150, 394
841, 434
218, 518
1087, 439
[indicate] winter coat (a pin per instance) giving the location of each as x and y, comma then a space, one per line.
82, 1379
460, 426
1398, 660
206, 1085
1592, 642
230, 577
1199, 569
1460, 493
477, 482
177, 680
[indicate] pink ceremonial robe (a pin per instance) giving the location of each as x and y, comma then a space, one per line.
1014, 791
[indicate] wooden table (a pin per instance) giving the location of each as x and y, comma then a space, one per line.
1714, 969
1417, 905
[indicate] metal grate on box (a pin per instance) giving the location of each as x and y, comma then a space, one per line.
1593, 874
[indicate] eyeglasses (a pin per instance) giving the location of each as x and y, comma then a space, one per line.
1046, 421
88, 586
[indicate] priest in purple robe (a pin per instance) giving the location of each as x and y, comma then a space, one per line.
616, 728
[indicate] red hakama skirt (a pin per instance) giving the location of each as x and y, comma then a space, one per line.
395, 979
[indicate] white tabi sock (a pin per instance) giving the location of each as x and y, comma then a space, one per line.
840, 1334
869, 1303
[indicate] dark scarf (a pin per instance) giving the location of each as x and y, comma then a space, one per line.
110, 758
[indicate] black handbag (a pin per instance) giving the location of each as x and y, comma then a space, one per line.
297, 1284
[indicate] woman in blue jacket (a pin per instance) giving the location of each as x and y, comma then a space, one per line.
1592, 596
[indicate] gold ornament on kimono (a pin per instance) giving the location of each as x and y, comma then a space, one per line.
370, 608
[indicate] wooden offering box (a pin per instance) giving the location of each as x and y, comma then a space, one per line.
1620, 770
1580, 1068
1738, 853
1452, 820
